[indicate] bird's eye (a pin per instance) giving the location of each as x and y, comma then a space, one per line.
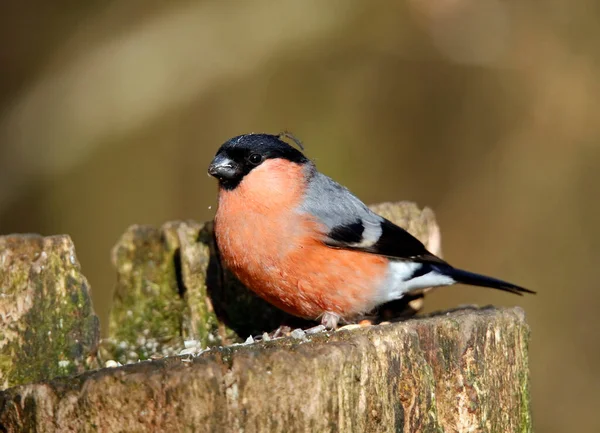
255, 158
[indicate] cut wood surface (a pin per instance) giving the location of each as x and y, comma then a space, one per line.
465, 371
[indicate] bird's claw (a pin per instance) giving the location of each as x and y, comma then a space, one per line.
330, 320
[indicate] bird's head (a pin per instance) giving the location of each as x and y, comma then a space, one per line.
237, 157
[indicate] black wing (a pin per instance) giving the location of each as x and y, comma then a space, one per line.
393, 241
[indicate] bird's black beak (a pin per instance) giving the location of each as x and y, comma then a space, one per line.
223, 168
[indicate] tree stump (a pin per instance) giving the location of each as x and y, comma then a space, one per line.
465, 371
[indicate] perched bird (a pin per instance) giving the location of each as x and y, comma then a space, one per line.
307, 245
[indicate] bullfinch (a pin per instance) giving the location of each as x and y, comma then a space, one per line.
307, 245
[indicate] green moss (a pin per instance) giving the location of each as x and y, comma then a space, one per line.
53, 334
193, 258
525, 397
60, 330
146, 317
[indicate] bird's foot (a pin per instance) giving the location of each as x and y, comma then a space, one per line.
330, 320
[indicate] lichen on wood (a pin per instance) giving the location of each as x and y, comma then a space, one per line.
453, 372
47, 323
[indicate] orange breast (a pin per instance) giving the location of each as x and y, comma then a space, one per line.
277, 252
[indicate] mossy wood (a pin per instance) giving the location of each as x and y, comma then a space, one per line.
47, 322
455, 372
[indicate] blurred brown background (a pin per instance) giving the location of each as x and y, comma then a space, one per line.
486, 110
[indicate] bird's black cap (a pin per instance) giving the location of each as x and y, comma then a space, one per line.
240, 155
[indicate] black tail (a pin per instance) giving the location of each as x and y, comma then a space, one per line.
465, 277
